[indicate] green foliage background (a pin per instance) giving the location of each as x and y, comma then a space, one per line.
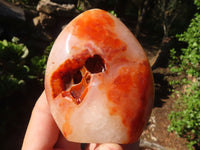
17, 69
13, 68
185, 120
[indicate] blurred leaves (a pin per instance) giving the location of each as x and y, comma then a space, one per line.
16, 69
13, 68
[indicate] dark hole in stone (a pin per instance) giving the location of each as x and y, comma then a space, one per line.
66, 78
77, 77
95, 64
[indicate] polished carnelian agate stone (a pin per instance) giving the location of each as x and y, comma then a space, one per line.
98, 81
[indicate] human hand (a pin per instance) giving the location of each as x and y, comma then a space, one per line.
43, 134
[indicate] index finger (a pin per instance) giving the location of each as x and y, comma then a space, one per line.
42, 132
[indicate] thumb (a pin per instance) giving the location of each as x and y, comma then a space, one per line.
108, 146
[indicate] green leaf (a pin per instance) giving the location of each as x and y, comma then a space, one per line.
25, 52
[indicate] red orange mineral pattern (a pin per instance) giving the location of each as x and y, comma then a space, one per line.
102, 50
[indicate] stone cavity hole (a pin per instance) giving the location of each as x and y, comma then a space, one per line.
77, 77
95, 64
73, 82
81, 77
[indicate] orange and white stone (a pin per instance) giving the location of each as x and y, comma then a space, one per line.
98, 81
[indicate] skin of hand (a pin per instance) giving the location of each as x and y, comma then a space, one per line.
43, 134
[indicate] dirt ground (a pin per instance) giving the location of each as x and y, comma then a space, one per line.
156, 130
